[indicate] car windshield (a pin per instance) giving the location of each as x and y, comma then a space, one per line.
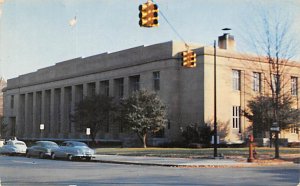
78, 144
49, 144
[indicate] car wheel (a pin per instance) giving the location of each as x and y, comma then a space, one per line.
88, 158
41, 155
27, 155
70, 157
53, 156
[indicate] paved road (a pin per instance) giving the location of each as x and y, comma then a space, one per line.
23, 171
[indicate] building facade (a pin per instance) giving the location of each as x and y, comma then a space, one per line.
2, 85
49, 95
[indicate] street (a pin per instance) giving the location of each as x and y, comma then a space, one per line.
16, 170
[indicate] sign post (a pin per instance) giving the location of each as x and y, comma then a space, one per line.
88, 133
42, 127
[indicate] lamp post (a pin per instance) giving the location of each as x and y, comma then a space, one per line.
215, 102
215, 98
42, 127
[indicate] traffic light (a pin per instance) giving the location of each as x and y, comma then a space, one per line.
189, 59
148, 14
192, 59
185, 59
153, 15
144, 15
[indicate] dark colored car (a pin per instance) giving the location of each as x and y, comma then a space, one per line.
41, 149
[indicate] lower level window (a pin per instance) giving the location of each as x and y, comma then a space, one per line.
236, 117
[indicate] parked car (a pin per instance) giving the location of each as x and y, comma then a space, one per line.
72, 150
42, 149
12, 147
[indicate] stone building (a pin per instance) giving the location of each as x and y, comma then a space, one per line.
2, 85
49, 95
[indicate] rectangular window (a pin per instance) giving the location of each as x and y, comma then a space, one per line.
104, 87
78, 93
119, 88
134, 83
294, 86
156, 81
294, 129
256, 82
236, 117
91, 89
236, 79
12, 101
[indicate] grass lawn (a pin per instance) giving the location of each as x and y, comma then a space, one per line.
193, 153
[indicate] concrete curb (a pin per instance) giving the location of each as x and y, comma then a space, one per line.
242, 165
234, 164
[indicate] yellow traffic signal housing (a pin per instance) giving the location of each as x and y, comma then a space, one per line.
193, 57
148, 15
189, 59
185, 59
153, 15
144, 14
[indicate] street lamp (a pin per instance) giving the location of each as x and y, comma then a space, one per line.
215, 98
42, 127
215, 102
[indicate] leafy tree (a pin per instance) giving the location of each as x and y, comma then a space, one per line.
93, 112
261, 114
143, 112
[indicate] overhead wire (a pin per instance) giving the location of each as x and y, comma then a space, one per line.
172, 27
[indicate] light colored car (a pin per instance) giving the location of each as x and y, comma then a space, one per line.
42, 149
72, 150
13, 147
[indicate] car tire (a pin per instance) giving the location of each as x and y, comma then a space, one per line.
41, 155
70, 157
53, 156
27, 155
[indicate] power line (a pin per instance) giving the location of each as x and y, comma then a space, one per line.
172, 27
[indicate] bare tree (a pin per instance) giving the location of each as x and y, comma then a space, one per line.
271, 37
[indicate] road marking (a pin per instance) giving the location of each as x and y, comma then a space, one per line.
25, 162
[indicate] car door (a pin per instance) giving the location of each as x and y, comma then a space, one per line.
68, 148
62, 150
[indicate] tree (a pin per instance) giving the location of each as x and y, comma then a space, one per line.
2, 126
271, 36
143, 112
261, 114
93, 112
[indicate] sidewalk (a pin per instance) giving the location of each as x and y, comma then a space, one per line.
183, 162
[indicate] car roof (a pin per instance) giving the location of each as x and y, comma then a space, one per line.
73, 142
46, 142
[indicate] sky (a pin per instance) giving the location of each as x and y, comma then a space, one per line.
37, 33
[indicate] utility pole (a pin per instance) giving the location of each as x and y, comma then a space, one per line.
215, 102
277, 92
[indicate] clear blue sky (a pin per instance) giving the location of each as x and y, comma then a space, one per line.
36, 33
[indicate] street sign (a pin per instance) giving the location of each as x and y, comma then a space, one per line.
42, 126
275, 129
88, 131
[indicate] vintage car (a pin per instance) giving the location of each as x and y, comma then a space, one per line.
12, 147
72, 150
42, 149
